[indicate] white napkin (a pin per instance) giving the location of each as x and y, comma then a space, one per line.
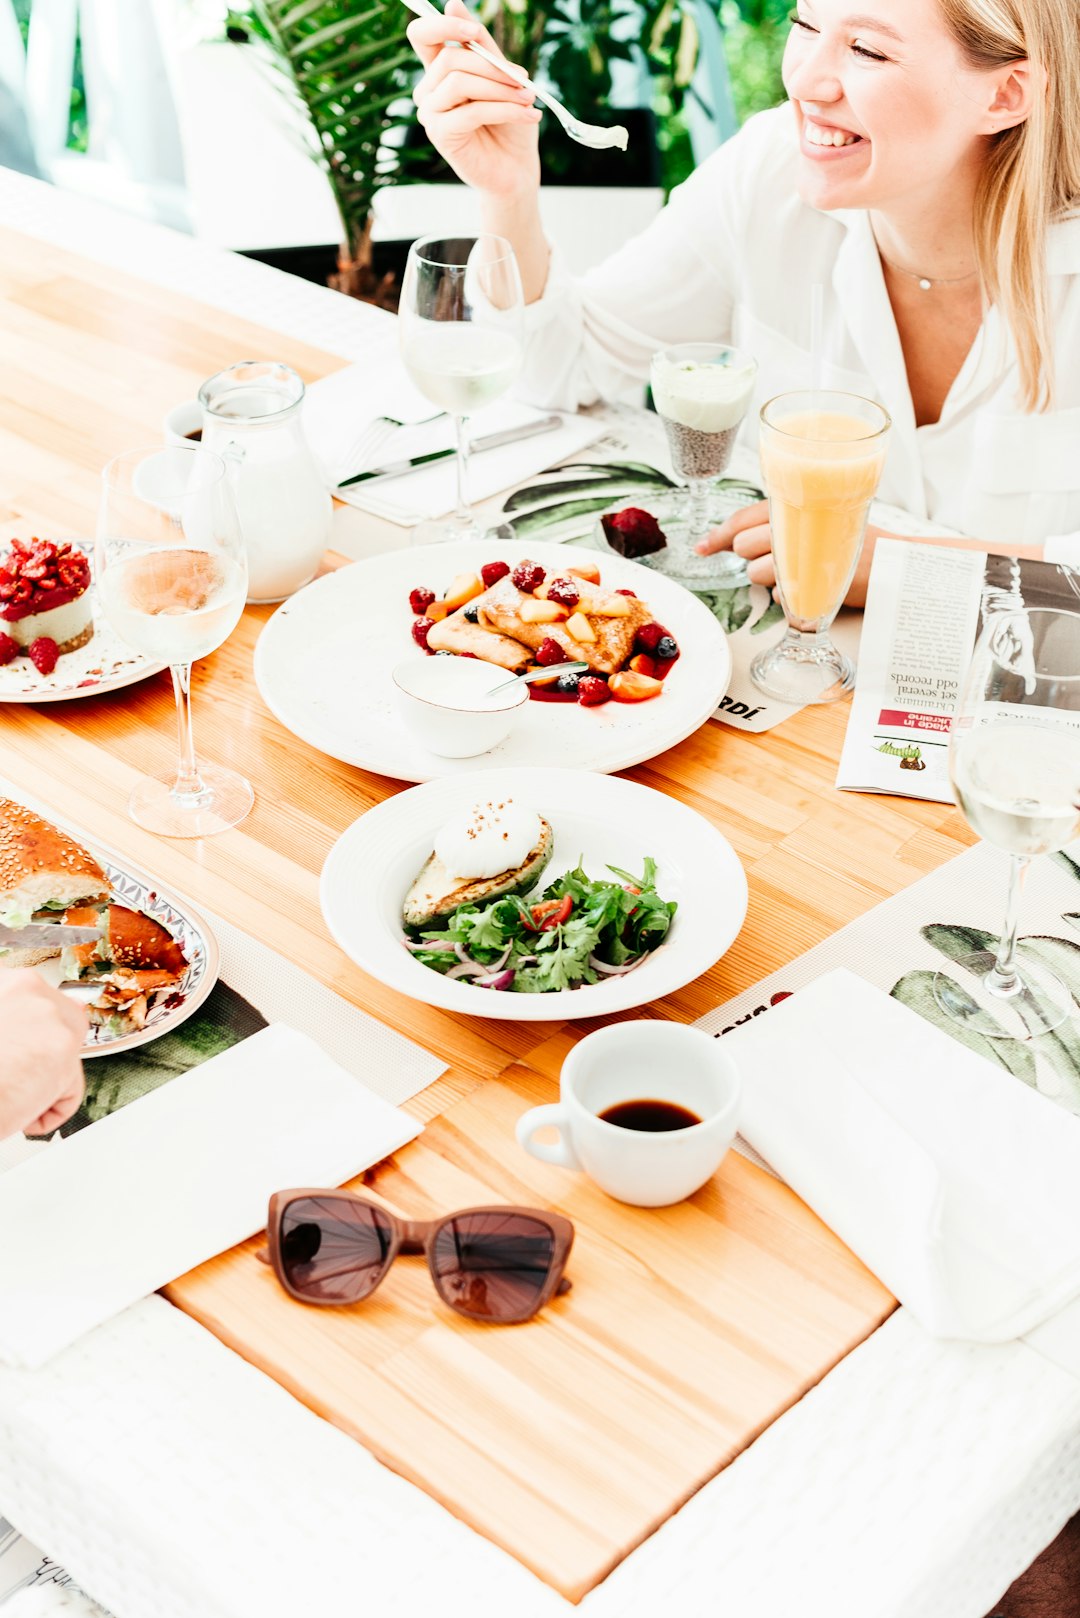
956, 1185
339, 407
120, 1208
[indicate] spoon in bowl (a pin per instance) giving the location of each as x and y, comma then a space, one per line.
532, 675
593, 135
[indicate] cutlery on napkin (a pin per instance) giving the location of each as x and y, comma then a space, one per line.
508, 435
118, 1209
956, 1185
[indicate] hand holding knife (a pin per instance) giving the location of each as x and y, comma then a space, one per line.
509, 435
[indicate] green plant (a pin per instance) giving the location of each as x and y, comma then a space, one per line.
755, 32
349, 66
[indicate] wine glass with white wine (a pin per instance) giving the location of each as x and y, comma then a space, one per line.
1014, 759
171, 577
461, 324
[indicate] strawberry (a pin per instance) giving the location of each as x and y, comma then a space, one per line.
420, 599
9, 649
43, 654
492, 572
592, 691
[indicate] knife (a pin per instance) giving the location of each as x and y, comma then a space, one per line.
508, 435
45, 935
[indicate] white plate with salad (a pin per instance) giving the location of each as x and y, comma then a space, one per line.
533, 895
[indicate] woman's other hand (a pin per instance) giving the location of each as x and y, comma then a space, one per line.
41, 1076
483, 124
748, 534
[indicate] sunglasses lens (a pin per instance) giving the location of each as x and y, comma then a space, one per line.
333, 1250
493, 1266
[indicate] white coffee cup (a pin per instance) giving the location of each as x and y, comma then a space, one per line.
640, 1061
181, 421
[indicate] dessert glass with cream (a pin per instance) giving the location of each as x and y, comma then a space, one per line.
701, 392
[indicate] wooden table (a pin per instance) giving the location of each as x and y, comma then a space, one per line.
93, 361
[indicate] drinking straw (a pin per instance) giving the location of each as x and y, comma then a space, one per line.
817, 307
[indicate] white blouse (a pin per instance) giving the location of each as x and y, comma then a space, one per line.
733, 258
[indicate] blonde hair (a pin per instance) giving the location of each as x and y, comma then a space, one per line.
1032, 174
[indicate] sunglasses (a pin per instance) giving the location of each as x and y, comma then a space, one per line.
495, 1264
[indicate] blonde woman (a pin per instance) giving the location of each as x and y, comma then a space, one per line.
925, 174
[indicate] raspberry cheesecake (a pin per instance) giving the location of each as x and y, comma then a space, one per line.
45, 606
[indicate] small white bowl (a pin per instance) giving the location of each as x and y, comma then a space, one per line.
444, 702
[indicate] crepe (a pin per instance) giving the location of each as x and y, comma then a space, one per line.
500, 629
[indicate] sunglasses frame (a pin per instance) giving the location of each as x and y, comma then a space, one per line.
415, 1236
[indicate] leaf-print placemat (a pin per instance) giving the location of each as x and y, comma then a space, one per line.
928, 928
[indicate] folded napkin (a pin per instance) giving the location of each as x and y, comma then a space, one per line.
956, 1185
115, 1211
338, 408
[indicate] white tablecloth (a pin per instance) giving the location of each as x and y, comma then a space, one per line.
175, 1481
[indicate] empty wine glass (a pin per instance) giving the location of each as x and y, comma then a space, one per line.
171, 577
461, 324
1014, 759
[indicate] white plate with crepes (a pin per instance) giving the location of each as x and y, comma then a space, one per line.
323, 666
104, 664
598, 820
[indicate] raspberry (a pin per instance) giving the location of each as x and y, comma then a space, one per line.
420, 599
631, 593
592, 691
550, 653
565, 592
633, 532
649, 637
8, 649
492, 572
421, 629
667, 648
527, 576
43, 654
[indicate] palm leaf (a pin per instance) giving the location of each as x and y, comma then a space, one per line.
351, 71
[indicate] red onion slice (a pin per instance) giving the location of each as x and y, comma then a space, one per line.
616, 971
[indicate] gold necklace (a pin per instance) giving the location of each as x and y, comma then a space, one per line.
924, 280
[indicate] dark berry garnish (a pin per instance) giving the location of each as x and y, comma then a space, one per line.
527, 576
43, 654
421, 629
633, 532
631, 593
565, 592
472, 615
568, 684
550, 653
667, 648
592, 691
9, 649
420, 599
649, 637
444, 654
492, 572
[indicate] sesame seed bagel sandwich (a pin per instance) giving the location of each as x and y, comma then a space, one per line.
43, 872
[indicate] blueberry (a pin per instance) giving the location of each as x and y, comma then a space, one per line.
472, 614
444, 654
567, 684
666, 648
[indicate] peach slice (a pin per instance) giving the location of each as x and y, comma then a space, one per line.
437, 611
463, 589
541, 612
580, 628
589, 571
630, 687
610, 607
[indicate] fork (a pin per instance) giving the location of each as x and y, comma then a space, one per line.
593, 135
370, 441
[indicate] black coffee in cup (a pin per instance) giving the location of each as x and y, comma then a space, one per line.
652, 1117
195, 435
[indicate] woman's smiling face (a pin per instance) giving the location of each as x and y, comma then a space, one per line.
886, 106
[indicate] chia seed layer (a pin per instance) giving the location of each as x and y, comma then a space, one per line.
699, 455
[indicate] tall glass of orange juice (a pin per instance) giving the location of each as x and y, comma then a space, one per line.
822, 456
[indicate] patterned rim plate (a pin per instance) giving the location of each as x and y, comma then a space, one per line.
172, 1006
104, 664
